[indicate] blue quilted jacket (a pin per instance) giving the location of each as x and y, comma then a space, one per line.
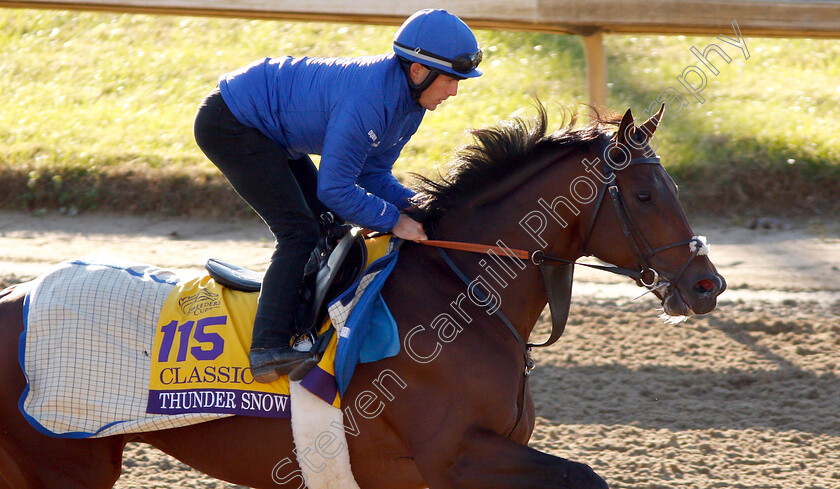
357, 113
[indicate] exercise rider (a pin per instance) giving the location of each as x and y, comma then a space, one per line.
261, 122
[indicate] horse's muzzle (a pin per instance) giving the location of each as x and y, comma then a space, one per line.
699, 299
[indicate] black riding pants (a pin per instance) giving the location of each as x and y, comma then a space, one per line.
283, 192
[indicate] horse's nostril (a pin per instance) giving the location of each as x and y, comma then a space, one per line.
704, 286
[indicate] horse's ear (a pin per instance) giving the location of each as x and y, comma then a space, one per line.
650, 125
626, 128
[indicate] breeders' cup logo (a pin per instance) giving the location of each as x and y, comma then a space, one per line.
200, 302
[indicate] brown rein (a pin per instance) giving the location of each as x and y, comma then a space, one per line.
538, 257
476, 248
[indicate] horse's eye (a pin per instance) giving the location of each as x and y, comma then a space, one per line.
643, 197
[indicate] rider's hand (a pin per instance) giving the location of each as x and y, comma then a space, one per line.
408, 228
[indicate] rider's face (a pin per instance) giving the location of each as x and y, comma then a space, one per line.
441, 89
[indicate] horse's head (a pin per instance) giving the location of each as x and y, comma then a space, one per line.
638, 224
576, 192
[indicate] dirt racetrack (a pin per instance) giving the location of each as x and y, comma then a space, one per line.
747, 396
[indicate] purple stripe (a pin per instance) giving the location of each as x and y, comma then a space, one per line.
321, 383
219, 401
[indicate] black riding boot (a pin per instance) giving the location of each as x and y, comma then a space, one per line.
272, 355
269, 364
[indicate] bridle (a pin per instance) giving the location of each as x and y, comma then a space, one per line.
646, 275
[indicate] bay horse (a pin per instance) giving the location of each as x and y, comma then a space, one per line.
453, 408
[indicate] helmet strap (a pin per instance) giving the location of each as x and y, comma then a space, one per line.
417, 88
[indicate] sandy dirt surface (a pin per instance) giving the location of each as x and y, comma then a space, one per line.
743, 397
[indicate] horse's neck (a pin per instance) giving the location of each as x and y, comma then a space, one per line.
505, 223
491, 282
517, 283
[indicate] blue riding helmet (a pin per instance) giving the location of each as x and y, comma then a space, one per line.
441, 41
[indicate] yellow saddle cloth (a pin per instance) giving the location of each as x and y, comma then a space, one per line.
199, 361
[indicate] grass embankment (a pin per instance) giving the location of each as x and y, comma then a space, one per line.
98, 108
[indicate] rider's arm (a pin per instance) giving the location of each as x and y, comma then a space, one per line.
347, 146
376, 177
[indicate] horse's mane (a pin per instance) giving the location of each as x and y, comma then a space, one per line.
505, 155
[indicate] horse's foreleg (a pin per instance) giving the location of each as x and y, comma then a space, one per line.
486, 460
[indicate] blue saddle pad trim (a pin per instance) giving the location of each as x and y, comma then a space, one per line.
370, 333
